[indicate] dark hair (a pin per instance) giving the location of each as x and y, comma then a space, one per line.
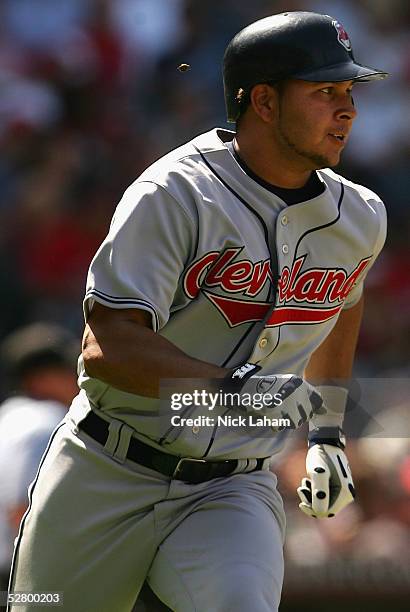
36, 347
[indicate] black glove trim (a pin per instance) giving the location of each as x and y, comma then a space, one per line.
327, 435
236, 379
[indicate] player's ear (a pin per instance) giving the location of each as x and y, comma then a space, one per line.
264, 101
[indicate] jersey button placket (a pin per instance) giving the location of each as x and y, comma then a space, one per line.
284, 222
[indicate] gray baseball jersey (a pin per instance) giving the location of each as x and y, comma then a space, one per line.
229, 273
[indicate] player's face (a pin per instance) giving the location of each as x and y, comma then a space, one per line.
314, 121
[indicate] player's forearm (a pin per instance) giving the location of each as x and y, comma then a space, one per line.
333, 360
135, 359
330, 367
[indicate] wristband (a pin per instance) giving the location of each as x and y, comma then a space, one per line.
334, 399
327, 435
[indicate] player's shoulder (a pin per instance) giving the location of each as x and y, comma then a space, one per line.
178, 178
175, 182
353, 190
360, 205
360, 208
182, 162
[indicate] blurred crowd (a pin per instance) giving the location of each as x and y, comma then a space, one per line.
90, 94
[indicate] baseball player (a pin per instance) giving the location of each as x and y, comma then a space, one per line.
238, 258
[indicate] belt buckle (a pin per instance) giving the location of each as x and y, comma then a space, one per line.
181, 462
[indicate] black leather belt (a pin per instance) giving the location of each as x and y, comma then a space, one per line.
189, 470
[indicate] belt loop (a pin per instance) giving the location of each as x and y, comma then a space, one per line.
113, 435
241, 467
266, 463
252, 465
121, 451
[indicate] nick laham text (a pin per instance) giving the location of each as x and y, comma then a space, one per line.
250, 420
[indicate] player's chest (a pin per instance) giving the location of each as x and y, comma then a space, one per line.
293, 256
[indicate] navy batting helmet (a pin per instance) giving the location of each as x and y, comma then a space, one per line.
296, 45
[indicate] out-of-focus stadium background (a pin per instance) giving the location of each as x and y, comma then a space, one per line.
89, 96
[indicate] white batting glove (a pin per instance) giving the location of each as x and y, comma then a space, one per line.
297, 400
329, 485
292, 397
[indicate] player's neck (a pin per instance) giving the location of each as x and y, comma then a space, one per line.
268, 162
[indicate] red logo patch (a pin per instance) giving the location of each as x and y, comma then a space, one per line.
342, 35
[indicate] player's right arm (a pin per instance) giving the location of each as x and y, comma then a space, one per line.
121, 349
133, 285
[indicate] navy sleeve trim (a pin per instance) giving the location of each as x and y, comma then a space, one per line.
121, 301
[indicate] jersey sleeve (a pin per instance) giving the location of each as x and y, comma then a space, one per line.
357, 291
140, 262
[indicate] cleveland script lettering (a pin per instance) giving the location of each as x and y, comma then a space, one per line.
316, 286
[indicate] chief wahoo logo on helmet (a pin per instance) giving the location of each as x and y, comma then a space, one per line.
342, 35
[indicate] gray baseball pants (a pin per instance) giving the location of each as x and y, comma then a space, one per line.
96, 528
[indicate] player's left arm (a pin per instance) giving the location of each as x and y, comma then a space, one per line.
329, 486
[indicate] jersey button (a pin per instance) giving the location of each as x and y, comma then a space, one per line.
284, 220
263, 342
195, 429
285, 249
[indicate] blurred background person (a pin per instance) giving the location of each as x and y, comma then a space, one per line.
38, 363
